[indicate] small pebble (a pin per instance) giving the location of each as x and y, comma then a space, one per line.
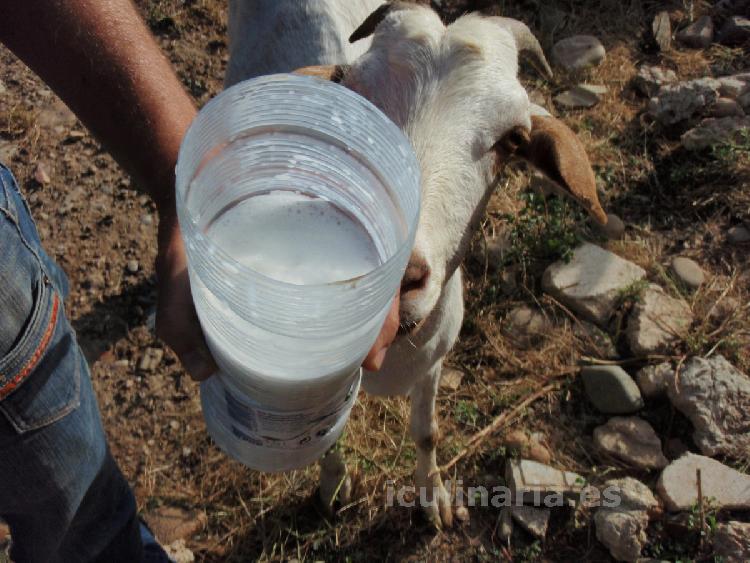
615, 227
688, 272
738, 234
174, 425
40, 174
132, 266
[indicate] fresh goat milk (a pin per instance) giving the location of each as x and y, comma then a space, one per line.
295, 238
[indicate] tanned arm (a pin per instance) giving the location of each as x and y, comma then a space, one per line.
100, 58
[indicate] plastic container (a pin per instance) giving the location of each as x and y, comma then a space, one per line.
298, 202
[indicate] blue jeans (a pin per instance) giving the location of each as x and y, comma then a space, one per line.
61, 491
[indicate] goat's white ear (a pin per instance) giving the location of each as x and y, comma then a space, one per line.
553, 149
334, 73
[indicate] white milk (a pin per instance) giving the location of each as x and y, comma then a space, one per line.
294, 238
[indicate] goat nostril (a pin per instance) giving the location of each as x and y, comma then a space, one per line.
415, 278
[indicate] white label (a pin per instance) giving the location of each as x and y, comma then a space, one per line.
285, 429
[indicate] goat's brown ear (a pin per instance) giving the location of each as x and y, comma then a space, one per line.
334, 73
554, 150
372, 21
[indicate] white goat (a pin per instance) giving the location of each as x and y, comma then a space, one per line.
454, 92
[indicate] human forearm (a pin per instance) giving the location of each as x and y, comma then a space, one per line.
102, 61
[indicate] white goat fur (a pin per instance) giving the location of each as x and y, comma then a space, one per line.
454, 92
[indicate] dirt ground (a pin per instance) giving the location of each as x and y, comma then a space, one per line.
102, 231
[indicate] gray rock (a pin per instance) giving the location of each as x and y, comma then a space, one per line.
614, 229
699, 34
132, 266
744, 101
450, 378
738, 234
735, 31
650, 79
178, 552
529, 446
724, 486
715, 396
526, 326
656, 322
532, 519
654, 380
581, 96
682, 101
662, 30
528, 479
734, 86
715, 131
727, 107
577, 52
594, 341
622, 528
688, 272
632, 440
611, 389
591, 282
732, 541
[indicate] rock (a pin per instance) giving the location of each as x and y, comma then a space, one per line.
688, 272
532, 519
738, 234
526, 326
732, 541
699, 34
132, 266
715, 396
151, 359
3, 89
527, 478
591, 282
662, 30
578, 52
682, 101
631, 440
611, 390
650, 79
527, 446
614, 229
450, 378
40, 174
178, 552
147, 219
656, 322
577, 97
170, 524
727, 107
654, 380
623, 528
735, 31
715, 131
744, 101
734, 86
724, 486
594, 341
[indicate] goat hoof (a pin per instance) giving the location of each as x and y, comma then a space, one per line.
438, 507
333, 495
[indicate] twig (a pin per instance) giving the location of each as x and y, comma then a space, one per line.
497, 423
650, 357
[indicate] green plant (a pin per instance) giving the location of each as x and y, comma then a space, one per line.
467, 412
632, 292
544, 229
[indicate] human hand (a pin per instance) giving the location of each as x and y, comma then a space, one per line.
376, 356
176, 320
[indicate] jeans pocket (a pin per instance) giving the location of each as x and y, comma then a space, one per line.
45, 383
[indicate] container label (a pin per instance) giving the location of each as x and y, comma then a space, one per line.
285, 429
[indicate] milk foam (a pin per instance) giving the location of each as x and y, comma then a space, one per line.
295, 238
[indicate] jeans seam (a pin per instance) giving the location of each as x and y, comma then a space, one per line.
15, 219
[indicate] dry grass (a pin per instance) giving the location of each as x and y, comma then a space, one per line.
673, 202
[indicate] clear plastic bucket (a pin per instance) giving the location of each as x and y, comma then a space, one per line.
298, 201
